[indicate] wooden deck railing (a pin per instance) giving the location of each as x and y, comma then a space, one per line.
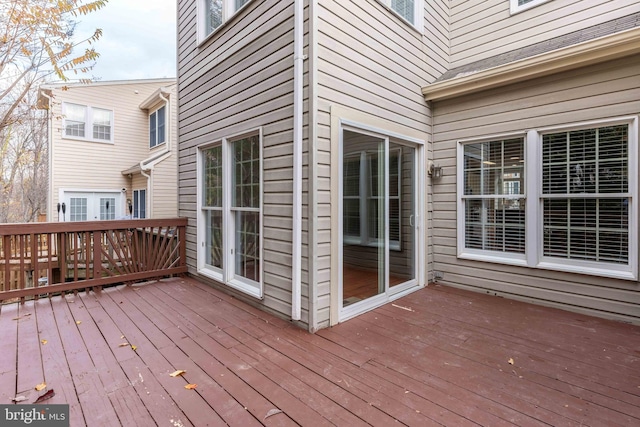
45, 258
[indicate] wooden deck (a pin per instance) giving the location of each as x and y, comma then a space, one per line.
437, 357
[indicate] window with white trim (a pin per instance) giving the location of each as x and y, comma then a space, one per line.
521, 5
107, 208
78, 209
231, 201
409, 10
585, 194
157, 121
214, 13
87, 123
494, 195
571, 207
140, 204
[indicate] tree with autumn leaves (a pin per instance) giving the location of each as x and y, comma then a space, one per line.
37, 45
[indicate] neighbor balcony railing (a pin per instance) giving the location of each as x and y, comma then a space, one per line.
46, 258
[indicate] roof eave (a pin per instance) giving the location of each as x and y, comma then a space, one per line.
591, 52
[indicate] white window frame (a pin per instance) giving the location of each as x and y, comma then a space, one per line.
155, 114
88, 123
227, 273
418, 13
228, 11
533, 256
515, 8
137, 205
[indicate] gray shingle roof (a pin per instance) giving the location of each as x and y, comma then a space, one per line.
583, 35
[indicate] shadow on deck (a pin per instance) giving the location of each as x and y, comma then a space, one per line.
439, 356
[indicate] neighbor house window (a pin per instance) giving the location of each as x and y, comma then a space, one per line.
107, 208
520, 5
157, 121
409, 10
140, 204
576, 191
231, 200
77, 209
89, 123
217, 12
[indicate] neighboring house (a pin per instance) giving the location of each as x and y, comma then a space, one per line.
335, 156
112, 150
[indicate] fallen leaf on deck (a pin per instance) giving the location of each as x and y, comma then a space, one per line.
121, 337
78, 322
191, 386
20, 317
123, 344
18, 398
44, 342
41, 386
511, 362
272, 412
134, 347
176, 373
46, 396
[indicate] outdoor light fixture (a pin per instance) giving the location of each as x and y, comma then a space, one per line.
435, 171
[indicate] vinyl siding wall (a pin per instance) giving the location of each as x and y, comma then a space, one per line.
164, 191
371, 63
601, 91
239, 80
484, 28
86, 165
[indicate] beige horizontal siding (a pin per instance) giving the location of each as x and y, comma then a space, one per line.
484, 28
88, 165
239, 80
596, 92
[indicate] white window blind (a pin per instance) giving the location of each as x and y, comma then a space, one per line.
585, 194
494, 199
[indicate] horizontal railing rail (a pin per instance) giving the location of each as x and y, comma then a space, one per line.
39, 259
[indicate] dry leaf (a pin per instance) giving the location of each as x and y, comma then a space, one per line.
78, 322
47, 395
123, 344
511, 362
191, 386
41, 386
18, 399
272, 412
134, 347
44, 342
121, 337
176, 373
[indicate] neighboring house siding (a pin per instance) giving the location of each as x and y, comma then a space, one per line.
164, 179
484, 28
239, 80
597, 92
370, 62
85, 165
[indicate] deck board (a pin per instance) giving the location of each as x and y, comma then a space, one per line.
439, 356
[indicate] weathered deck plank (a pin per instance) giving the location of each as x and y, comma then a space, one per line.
439, 356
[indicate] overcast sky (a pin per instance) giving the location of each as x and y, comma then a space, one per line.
138, 39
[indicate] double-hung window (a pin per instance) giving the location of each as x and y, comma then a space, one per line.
157, 121
88, 123
555, 198
217, 12
409, 10
520, 5
231, 200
